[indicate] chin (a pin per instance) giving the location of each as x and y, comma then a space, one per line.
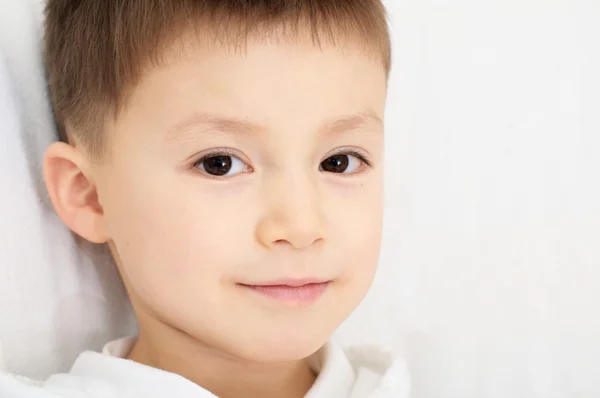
282, 347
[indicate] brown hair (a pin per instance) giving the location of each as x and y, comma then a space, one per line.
96, 50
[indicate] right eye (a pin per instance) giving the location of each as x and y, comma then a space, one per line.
221, 165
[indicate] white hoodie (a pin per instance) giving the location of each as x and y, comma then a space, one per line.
358, 372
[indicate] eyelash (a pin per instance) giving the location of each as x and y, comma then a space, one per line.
216, 153
359, 155
364, 158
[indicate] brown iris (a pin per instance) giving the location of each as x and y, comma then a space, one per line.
217, 165
335, 164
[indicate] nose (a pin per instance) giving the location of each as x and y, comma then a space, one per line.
293, 215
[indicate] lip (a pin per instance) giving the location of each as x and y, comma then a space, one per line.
291, 290
291, 282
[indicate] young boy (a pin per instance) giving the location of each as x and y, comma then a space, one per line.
230, 153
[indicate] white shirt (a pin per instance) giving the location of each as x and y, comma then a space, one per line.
359, 372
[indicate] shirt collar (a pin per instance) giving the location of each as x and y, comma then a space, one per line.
335, 374
335, 378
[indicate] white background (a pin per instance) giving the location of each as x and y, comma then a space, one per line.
489, 276
491, 261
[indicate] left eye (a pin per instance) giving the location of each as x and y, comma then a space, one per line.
341, 164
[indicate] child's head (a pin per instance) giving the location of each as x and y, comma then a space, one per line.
216, 145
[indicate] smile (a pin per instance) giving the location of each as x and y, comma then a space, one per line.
293, 292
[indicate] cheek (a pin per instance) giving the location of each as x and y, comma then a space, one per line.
363, 247
357, 222
171, 238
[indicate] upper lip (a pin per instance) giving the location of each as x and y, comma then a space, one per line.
293, 282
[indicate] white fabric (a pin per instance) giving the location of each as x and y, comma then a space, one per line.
490, 257
367, 373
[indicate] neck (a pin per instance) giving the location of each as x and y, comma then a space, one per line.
218, 372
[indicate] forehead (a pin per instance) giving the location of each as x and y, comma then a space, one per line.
267, 84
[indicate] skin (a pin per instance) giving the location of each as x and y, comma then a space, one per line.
184, 240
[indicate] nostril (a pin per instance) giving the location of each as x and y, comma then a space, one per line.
318, 241
282, 242
298, 243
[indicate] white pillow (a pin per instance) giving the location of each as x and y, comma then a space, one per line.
58, 295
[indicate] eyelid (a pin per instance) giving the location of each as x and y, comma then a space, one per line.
360, 154
197, 158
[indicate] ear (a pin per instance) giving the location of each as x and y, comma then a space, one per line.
73, 192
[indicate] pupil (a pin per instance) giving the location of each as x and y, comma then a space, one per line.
217, 165
336, 164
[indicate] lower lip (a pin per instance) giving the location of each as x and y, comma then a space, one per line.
293, 294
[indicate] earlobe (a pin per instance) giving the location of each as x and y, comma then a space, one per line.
73, 192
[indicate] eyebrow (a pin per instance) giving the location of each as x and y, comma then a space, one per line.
215, 122
368, 118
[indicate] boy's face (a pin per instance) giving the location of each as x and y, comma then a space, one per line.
234, 170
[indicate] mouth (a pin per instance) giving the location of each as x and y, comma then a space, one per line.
291, 291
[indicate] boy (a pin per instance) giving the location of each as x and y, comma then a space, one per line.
230, 155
